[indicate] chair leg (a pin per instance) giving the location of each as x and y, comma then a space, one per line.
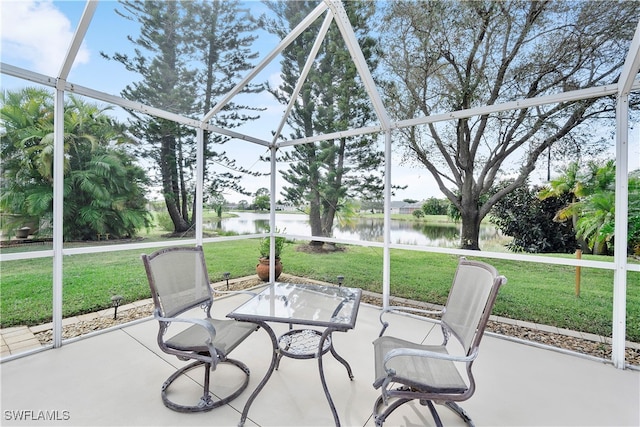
461, 412
380, 417
434, 413
206, 402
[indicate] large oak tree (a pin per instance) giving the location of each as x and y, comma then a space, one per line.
445, 56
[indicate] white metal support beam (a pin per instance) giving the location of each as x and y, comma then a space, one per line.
340, 15
631, 65
44, 80
574, 95
305, 72
627, 76
621, 233
386, 252
272, 215
299, 29
594, 92
351, 41
32, 76
200, 142
58, 213
78, 37
58, 170
333, 135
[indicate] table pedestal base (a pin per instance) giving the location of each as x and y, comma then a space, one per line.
299, 344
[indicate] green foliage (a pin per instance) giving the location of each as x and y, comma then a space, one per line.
592, 204
453, 212
530, 221
597, 221
346, 214
164, 221
418, 213
265, 246
535, 292
440, 56
265, 243
322, 174
188, 55
262, 201
103, 188
434, 206
596, 209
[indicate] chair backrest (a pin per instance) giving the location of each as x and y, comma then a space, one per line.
471, 298
178, 279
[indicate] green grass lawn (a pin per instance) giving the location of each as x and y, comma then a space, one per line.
538, 293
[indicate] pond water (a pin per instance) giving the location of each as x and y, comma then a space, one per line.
363, 229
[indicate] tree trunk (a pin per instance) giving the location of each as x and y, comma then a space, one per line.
167, 168
181, 182
315, 205
327, 220
179, 224
315, 220
470, 234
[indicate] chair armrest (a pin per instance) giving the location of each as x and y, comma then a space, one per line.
398, 352
412, 311
200, 322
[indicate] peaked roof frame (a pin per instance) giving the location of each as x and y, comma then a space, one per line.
335, 12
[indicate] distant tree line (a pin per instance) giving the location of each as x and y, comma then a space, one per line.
427, 57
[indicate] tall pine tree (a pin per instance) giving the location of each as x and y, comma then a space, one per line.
187, 54
324, 174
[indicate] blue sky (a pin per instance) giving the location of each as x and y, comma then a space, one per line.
36, 35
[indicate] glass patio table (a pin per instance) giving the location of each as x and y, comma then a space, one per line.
320, 310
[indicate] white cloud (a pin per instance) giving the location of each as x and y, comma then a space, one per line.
36, 35
275, 79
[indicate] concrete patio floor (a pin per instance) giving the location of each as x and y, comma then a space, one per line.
114, 379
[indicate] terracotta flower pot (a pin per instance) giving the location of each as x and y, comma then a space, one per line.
23, 233
263, 269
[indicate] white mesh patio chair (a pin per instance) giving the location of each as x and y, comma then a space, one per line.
441, 374
179, 283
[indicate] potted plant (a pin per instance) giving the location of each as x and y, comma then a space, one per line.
263, 262
23, 232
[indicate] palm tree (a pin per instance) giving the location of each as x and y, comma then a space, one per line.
597, 221
597, 209
570, 182
592, 208
24, 188
103, 188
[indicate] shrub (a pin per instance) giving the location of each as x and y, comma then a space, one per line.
529, 220
164, 221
